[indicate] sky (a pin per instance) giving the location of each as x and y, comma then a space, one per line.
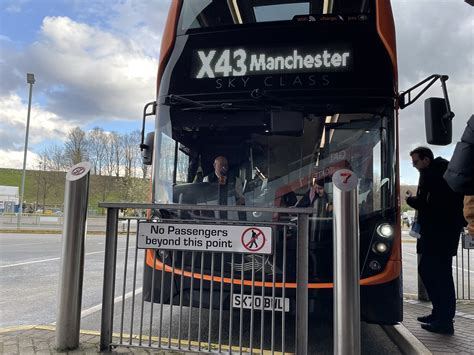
95, 64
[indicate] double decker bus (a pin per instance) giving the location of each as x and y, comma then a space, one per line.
288, 91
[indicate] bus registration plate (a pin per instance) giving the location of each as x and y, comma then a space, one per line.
246, 301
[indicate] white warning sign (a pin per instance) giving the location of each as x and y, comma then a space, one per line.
205, 237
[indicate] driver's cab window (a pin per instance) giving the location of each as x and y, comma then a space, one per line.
357, 146
182, 168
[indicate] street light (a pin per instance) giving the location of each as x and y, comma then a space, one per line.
30, 79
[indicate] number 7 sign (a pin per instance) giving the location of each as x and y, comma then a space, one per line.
346, 176
345, 180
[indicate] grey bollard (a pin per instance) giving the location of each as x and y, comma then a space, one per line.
346, 264
68, 320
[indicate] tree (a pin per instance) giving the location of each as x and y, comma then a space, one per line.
145, 168
55, 158
136, 157
116, 147
109, 166
97, 142
166, 157
131, 150
76, 146
44, 183
112, 154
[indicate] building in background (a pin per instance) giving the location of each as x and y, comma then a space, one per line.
9, 199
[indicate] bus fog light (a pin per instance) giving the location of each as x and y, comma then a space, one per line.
375, 265
380, 248
385, 230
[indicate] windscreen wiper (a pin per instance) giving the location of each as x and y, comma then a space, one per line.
255, 94
176, 99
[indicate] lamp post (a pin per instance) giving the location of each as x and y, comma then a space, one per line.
30, 79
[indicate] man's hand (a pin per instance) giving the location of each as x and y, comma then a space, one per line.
408, 194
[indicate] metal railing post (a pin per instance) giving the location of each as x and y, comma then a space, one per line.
302, 289
76, 196
346, 264
107, 319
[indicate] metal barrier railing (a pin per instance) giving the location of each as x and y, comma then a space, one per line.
462, 273
208, 301
462, 270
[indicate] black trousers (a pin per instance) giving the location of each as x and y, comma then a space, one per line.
437, 275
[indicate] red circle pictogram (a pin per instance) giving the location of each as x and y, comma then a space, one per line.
253, 239
78, 171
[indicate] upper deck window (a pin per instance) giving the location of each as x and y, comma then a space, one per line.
205, 14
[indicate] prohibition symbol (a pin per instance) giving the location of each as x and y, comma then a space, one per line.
78, 171
253, 239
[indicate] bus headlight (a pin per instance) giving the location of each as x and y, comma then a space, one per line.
385, 230
380, 248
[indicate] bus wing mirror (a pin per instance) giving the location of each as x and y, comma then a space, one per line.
438, 121
147, 149
438, 114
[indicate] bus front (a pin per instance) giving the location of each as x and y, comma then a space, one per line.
288, 92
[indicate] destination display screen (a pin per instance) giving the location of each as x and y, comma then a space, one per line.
299, 58
233, 62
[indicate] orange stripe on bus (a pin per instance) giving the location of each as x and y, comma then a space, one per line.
391, 272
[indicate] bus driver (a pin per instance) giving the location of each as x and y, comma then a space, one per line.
221, 176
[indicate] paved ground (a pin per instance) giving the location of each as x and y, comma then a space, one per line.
41, 339
462, 342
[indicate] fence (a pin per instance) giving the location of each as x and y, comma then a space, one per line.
209, 310
462, 272
267, 306
49, 222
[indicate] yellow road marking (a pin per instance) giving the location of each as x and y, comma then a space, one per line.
145, 338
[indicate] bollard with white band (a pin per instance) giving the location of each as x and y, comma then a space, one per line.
68, 318
346, 264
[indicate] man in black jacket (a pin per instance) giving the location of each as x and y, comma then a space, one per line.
440, 217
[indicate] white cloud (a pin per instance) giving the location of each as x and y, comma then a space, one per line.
44, 126
84, 73
140, 21
433, 36
97, 75
13, 159
144, 31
